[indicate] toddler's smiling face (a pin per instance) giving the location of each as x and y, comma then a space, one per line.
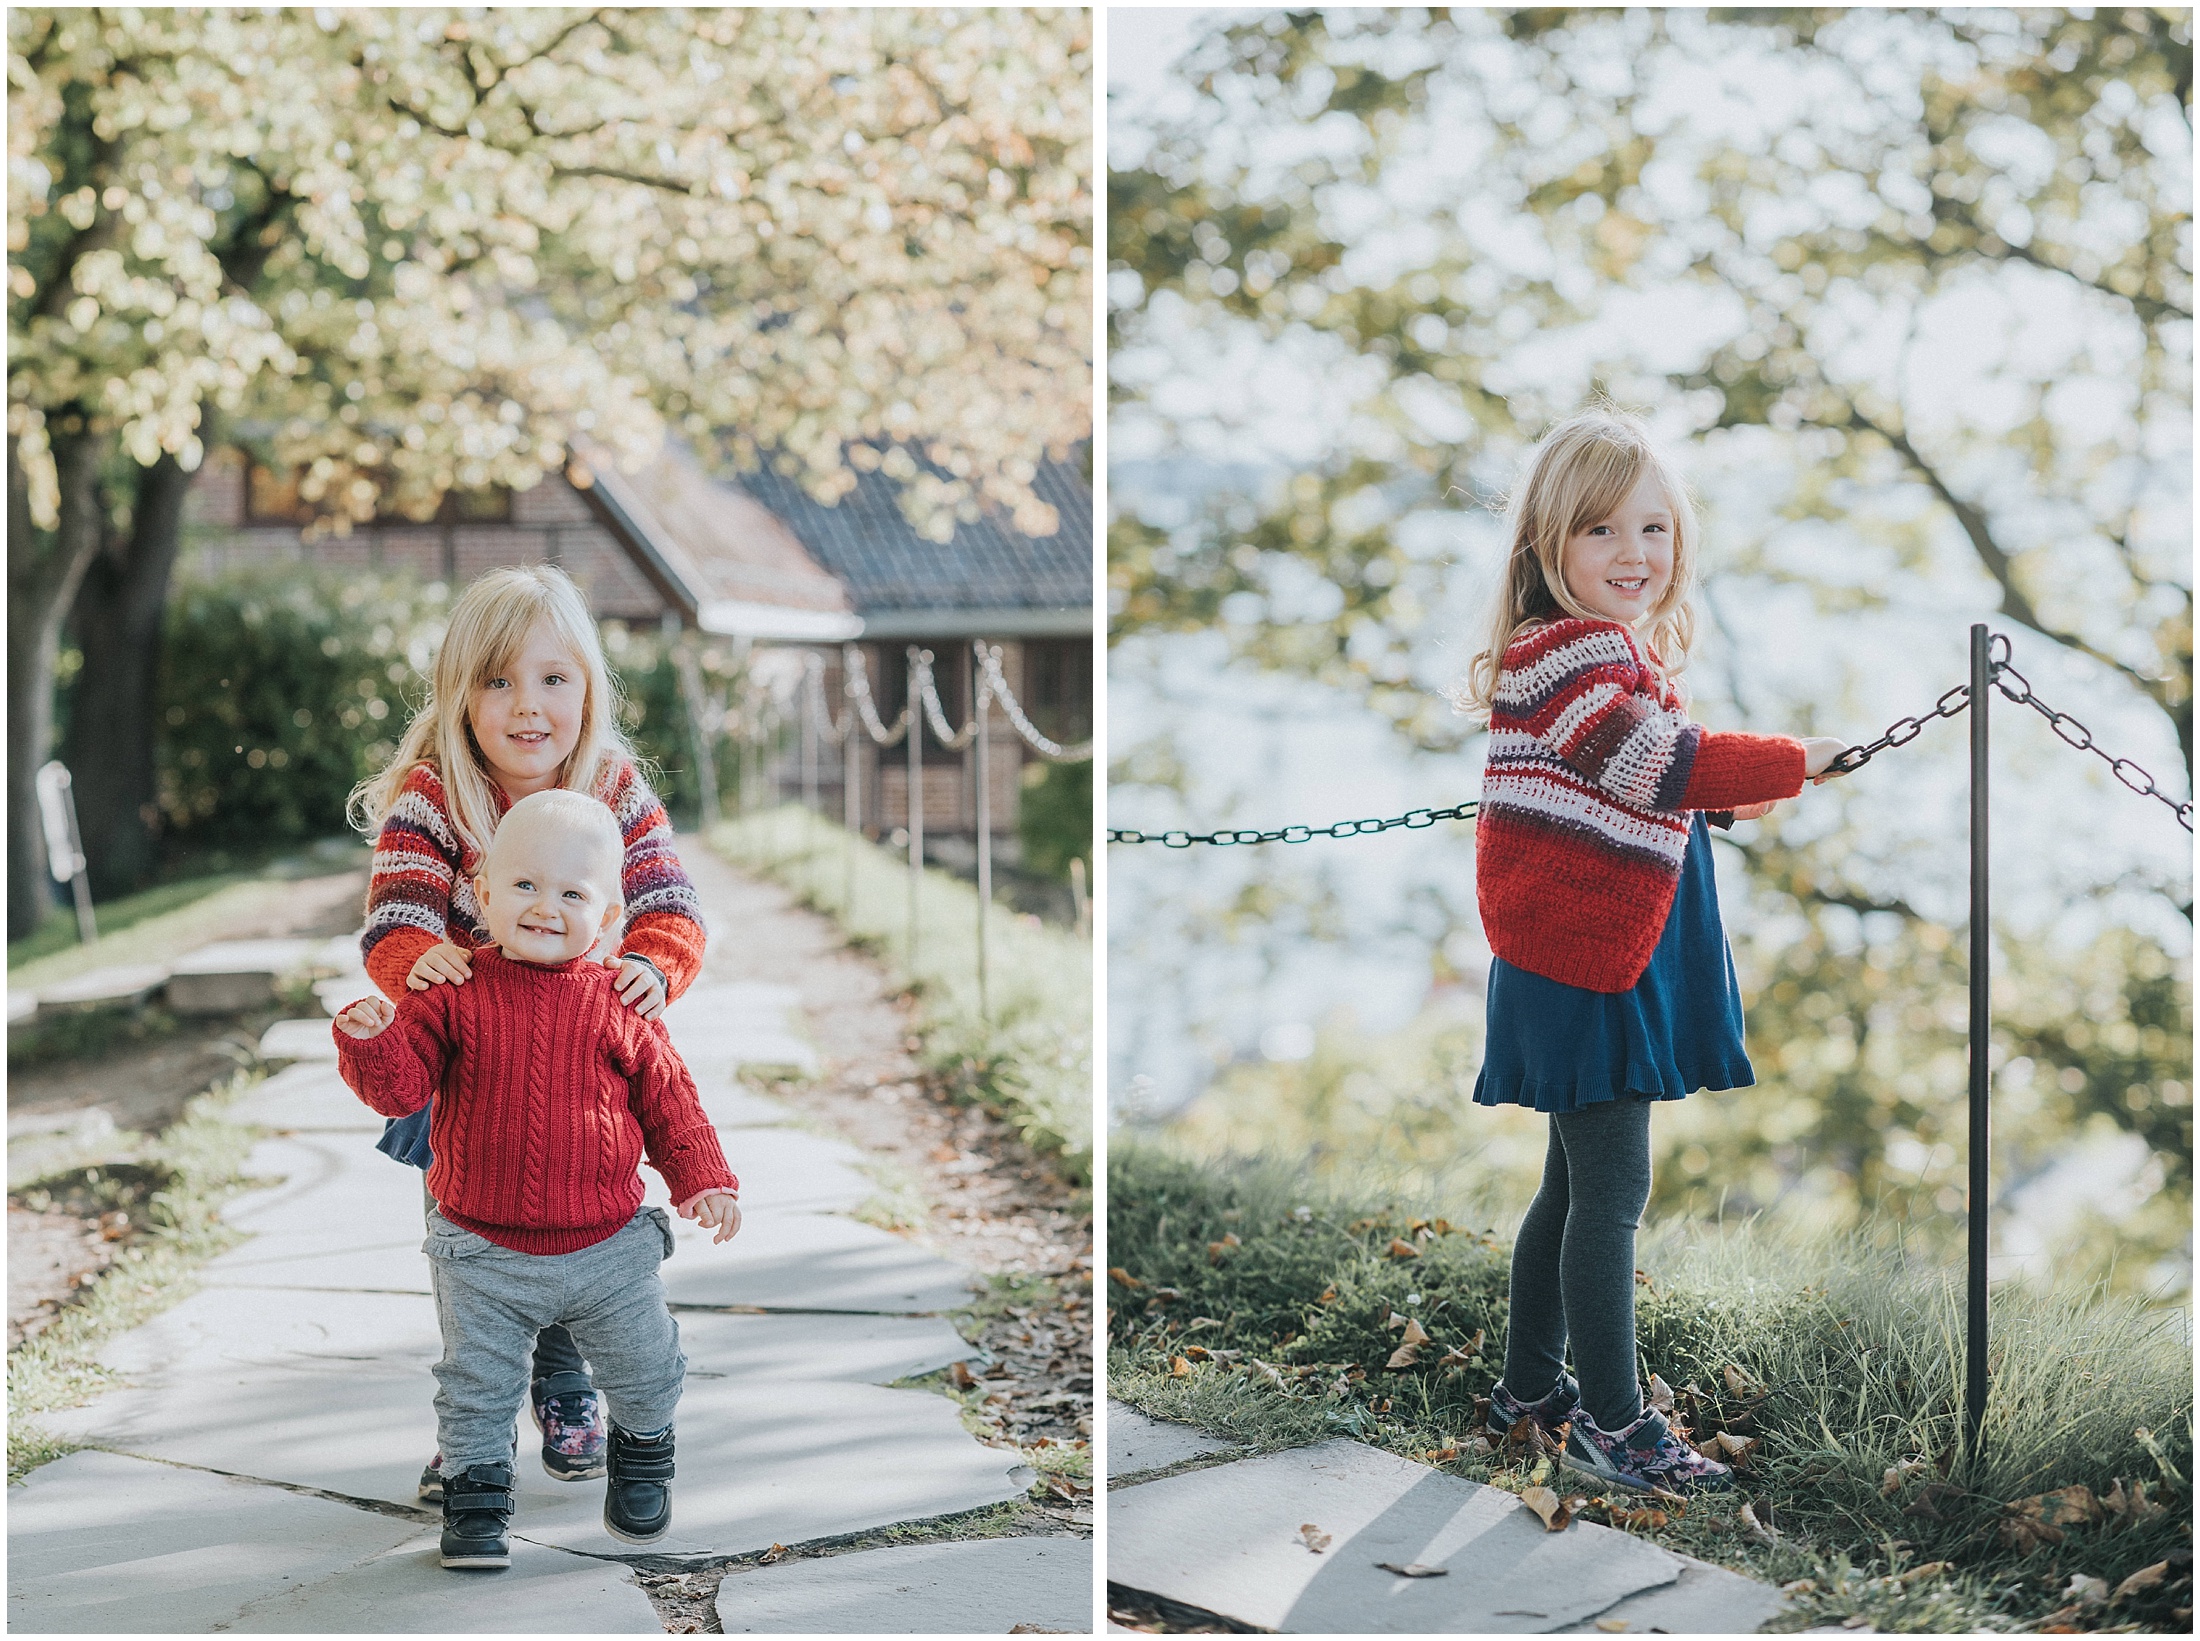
548, 889
1621, 565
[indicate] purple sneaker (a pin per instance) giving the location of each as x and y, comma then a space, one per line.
1506, 1409
1645, 1456
569, 1414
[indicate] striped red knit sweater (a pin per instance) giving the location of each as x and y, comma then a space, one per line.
548, 1091
1593, 769
422, 888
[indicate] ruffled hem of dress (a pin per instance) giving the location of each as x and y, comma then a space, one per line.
1638, 1084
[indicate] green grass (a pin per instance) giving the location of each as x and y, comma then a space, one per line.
198, 1162
1027, 1055
1861, 1347
58, 933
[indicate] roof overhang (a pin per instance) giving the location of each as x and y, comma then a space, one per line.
739, 618
1074, 621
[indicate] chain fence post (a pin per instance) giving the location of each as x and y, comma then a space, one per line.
851, 786
981, 692
917, 659
1982, 673
813, 702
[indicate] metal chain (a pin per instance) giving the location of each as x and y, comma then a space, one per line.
989, 658
2072, 733
1899, 733
1413, 820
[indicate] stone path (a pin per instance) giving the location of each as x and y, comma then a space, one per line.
258, 1470
1226, 1537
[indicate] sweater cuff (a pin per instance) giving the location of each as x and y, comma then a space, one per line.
1733, 769
694, 1163
393, 956
672, 942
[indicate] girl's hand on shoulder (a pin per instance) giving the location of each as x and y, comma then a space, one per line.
1818, 752
369, 1017
441, 964
640, 987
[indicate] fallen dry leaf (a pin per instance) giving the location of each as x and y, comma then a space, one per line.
2040, 1519
1313, 1537
1478, 1445
1116, 1273
1439, 1455
2086, 1590
1402, 1357
960, 1376
1393, 1322
1199, 1353
1898, 1473
1400, 1248
1415, 1334
1741, 1385
1633, 1520
1217, 1252
1661, 1394
778, 1552
2144, 1579
1414, 1569
1612, 1626
1755, 1528
1328, 1295
2130, 1506
1180, 1369
1555, 1511
1926, 1506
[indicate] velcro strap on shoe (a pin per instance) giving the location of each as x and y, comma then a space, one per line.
632, 1466
1649, 1433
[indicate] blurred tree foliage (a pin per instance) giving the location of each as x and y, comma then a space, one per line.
1428, 196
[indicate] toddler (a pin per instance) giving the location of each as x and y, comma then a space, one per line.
547, 1092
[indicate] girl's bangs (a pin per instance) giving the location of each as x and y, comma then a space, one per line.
1606, 476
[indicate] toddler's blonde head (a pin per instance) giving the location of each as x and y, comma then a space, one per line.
1581, 473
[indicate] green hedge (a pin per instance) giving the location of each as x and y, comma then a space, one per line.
279, 692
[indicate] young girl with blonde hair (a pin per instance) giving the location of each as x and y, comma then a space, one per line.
1611, 986
521, 702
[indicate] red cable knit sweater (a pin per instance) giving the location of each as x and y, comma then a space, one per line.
1593, 768
547, 1091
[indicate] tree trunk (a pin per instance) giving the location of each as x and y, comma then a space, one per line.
117, 624
44, 569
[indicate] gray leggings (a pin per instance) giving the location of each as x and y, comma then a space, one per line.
1573, 1269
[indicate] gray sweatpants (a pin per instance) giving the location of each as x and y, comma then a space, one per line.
1573, 1268
491, 1301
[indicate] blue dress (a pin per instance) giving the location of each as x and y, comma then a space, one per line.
1558, 1048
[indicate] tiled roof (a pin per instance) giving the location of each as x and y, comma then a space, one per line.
887, 567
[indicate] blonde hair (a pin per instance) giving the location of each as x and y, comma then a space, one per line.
573, 814
488, 625
1584, 468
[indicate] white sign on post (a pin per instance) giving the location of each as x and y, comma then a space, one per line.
64, 848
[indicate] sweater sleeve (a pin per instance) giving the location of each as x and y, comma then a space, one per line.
664, 917
1579, 691
398, 1070
417, 859
677, 1137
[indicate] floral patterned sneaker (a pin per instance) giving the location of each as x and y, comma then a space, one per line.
431, 1480
1645, 1456
1507, 1410
569, 1414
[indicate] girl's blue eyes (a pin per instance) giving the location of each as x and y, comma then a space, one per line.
548, 678
1599, 529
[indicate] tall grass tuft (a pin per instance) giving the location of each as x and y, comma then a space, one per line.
1027, 1056
1849, 1357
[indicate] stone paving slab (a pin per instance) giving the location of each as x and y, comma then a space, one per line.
99, 1543
763, 1459
785, 1170
1704, 1600
1137, 1444
731, 1105
972, 1587
727, 1024
1227, 1539
299, 1040
103, 1544
310, 1096
811, 1262
112, 987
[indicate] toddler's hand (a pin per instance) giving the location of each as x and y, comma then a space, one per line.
1756, 811
720, 1209
369, 1017
641, 988
1819, 751
441, 963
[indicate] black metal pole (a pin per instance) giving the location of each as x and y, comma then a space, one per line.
1974, 1410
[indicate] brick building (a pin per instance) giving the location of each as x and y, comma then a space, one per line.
758, 561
